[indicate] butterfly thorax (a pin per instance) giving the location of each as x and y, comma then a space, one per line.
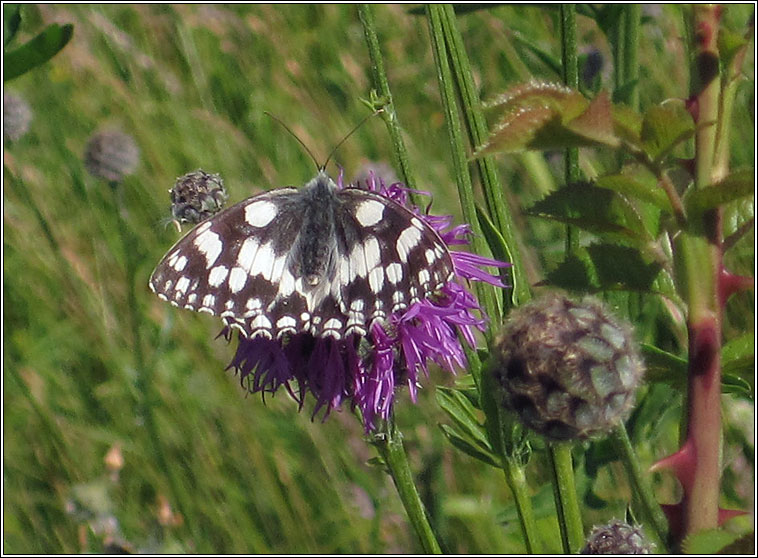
314, 247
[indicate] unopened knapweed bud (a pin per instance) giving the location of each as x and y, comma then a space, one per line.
16, 116
617, 537
568, 369
196, 196
111, 155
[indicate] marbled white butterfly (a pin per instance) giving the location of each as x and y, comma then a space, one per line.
321, 259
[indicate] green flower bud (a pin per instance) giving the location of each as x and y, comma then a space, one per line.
569, 370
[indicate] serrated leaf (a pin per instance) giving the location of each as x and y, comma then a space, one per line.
575, 273
467, 447
627, 125
540, 115
593, 209
515, 130
596, 122
664, 127
739, 184
622, 267
634, 187
708, 541
743, 545
37, 51
11, 22
462, 412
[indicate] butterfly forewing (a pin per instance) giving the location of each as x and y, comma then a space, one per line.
319, 260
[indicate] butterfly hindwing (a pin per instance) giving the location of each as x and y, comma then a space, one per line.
321, 260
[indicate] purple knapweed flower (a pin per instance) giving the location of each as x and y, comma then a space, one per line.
367, 369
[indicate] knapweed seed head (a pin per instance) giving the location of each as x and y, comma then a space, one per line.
568, 369
17, 116
196, 196
617, 537
111, 155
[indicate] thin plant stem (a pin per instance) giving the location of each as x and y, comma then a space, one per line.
566, 501
631, 65
381, 85
485, 293
515, 476
651, 510
571, 79
389, 443
476, 126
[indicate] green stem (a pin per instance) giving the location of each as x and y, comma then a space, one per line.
631, 65
389, 443
698, 264
651, 510
506, 439
476, 126
485, 293
515, 476
571, 79
382, 87
566, 501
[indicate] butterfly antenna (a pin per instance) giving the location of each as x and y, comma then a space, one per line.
294, 135
350, 133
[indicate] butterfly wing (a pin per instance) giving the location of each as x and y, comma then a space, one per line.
389, 258
219, 263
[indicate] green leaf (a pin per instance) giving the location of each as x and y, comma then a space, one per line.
622, 93
739, 184
708, 541
622, 267
730, 44
596, 123
738, 357
575, 273
467, 447
494, 239
664, 127
462, 412
11, 22
664, 367
636, 187
543, 116
37, 51
594, 209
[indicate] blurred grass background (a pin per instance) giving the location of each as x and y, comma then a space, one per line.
191, 83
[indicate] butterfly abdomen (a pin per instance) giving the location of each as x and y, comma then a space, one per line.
316, 242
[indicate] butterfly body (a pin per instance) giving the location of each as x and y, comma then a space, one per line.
320, 259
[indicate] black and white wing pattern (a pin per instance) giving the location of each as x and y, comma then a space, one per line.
318, 260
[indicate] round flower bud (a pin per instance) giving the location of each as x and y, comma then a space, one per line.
111, 155
196, 196
569, 370
16, 116
617, 537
